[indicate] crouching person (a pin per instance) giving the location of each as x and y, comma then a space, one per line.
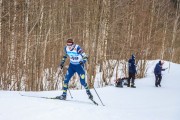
120, 82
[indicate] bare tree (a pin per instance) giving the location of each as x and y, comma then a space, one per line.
33, 35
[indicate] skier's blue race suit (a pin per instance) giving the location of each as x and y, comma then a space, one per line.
77, 60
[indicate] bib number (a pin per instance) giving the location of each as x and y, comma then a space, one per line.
74, 58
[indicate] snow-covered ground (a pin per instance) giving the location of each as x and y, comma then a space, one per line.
146, 102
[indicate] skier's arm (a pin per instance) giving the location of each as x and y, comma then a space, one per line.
163, 69
84, 56
63, 59
134, 67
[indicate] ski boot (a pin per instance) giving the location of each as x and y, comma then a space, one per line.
119, 86
132, 86
89, 94
62, 97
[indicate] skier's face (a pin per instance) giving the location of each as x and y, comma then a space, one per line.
69, 45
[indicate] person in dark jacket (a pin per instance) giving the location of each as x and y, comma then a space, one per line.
157, 72
132, 72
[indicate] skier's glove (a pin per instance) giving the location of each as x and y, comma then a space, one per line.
81, 62
61, 65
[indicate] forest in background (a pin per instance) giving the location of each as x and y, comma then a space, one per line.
33, 34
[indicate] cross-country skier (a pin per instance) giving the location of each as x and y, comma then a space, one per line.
132, 71
157, 72
77, 60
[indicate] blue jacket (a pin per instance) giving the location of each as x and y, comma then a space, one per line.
158, 68
132, 65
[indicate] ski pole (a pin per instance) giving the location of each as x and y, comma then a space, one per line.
98, 96
95, 89
63, 80
70, 94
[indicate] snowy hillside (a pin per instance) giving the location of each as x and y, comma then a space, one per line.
146, 102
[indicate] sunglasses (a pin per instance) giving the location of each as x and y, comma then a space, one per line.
69, 44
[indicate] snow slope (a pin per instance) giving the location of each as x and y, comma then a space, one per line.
145, 102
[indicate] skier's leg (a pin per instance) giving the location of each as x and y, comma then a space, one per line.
129, 80
133, 80
81, 72
70, 72
156, 80
159, 82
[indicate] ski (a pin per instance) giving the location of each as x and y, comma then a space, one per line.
54, 98
94, 102
38, 96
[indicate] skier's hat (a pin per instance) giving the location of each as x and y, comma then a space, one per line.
70, 41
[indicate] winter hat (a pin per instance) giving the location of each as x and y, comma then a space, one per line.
70, 40
133, 56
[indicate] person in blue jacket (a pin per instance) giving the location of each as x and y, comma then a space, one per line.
77, 60
157, 72
132, 72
